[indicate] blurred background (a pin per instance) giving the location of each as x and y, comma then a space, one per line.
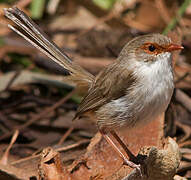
92, 33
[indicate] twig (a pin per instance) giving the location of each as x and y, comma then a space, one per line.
31, 77
186, 143
185, 167
73, 145
182, 77
66, 148
37, 117
4, 159
68, 132
186, 129
185, 150
39, 101
184, 99
17, 73
176, 19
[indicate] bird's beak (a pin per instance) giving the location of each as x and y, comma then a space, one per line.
174, 47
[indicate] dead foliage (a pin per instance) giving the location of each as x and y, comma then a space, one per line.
37, 102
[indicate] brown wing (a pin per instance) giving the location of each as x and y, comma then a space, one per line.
110, 84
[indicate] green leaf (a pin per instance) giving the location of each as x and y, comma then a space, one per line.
179, 15
104, 4
37, 8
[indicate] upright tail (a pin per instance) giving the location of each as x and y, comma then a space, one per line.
34, 35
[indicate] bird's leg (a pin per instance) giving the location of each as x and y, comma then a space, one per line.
125, 148
118, 151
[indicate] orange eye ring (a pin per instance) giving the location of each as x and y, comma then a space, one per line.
152, 48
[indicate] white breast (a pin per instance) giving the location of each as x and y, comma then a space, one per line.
158, 87
148, 98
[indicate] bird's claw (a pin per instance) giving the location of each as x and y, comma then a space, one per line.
134, 166
138, 168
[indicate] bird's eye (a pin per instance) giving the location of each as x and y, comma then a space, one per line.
151, 48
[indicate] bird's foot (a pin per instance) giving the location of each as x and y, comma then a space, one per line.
133, 165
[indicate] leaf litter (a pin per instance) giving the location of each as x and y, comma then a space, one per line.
39, 112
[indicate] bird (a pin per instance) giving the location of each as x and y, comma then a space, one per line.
130, 92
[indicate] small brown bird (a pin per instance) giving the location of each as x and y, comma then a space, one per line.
133, 90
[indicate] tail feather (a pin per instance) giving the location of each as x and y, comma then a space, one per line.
34, 35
